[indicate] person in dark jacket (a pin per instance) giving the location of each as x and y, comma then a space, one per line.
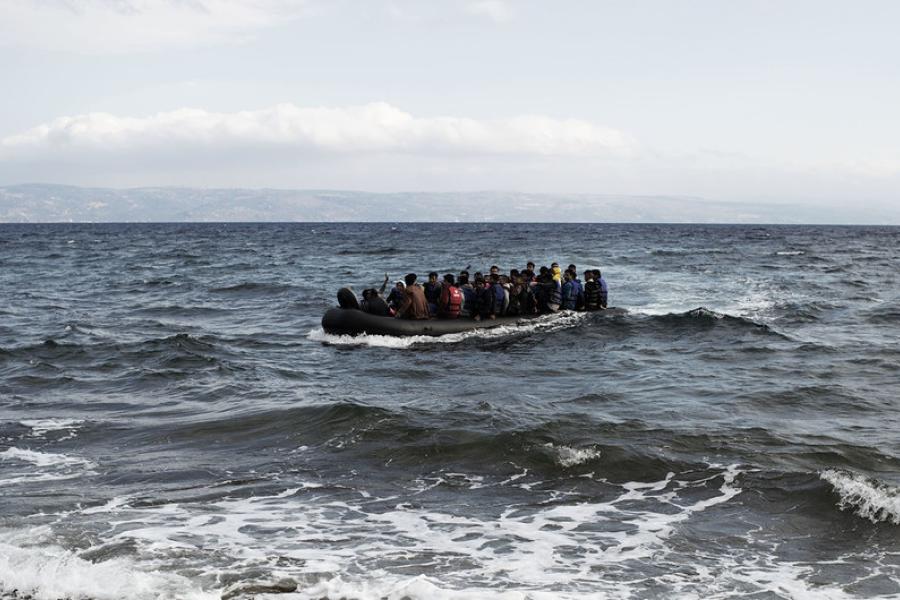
604, 289
568, 292
395, 298
432, 290
591, 291
498, 296
470, 298
414, 305
374, 304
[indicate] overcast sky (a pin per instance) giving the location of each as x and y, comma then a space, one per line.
775, 101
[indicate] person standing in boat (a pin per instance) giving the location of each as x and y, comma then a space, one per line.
414, 305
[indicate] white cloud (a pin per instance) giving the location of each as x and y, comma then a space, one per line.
114, 26
291, 130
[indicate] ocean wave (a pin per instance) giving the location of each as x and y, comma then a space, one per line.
51, 572
866, 497
543, 549
544, 324
43, 459
568, 456
884, 313
703, 318
41, 427
254, 287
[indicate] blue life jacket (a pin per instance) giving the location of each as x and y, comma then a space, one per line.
568, 296
499, 298
470, 302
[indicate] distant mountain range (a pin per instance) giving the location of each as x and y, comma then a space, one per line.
41, 203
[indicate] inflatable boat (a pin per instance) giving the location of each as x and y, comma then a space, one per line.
352, 321
348, 319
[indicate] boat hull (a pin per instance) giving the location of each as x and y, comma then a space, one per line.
349, 321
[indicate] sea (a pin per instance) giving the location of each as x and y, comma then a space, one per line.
174, 422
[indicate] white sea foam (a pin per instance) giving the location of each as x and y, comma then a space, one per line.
790, 253
51, 572
567, 456
40, 427
44, 466
868, 498
42, 459
547, 323
525, 552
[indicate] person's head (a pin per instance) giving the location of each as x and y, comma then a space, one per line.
410, 278
432, 277
588, 275
530, 266
495, 277
463, 278
495, 270
479, 278
554, 265
400, 285
596, 273
367, 294
572, 268
513, 273
464, 273
544, 270
568, 276
449, 279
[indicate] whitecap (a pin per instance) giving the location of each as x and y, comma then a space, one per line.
43, 459
868, 498
40, 427
567, 456
50, 572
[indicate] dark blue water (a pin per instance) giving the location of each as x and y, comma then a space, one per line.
175, 424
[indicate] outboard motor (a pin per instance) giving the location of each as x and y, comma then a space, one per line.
347, 299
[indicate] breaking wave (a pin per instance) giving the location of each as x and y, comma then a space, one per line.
866, 497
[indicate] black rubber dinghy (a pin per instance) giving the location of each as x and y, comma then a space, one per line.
352, 321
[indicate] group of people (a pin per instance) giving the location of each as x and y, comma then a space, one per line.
519, 293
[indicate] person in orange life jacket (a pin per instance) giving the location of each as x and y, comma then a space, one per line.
591, 291
604, 289
432, 291
451, 300
414, 305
